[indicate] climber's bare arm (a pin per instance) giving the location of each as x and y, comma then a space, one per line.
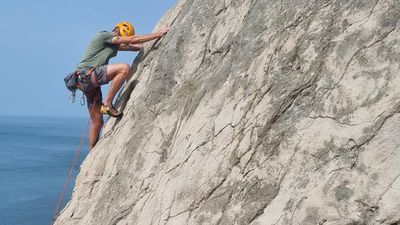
130, 47
138, 39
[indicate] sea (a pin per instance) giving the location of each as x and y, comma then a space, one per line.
36, 154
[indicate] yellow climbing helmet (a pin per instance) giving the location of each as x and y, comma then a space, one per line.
126, 28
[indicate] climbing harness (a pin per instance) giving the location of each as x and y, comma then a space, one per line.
71, 171
82, 80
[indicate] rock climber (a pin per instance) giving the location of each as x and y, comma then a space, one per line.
94, 65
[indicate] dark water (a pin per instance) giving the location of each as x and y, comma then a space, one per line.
36, 154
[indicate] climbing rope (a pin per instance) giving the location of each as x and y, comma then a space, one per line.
71, 171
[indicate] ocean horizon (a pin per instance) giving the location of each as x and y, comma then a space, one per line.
36, 154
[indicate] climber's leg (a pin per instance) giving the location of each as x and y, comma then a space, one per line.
118, 74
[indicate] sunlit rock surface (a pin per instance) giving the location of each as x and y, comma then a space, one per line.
255, 112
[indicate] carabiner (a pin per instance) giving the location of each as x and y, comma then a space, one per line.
83, 100
71, 97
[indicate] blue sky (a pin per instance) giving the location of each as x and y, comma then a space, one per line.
43, 40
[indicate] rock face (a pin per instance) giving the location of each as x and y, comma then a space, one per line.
260, 112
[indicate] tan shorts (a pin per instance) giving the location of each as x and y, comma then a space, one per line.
101, 74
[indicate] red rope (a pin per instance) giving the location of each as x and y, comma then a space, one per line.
71, 171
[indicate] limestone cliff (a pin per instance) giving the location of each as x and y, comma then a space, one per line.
261, 112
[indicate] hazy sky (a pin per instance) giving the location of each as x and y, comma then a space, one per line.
43, 40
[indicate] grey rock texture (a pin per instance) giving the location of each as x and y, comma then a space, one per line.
260, 112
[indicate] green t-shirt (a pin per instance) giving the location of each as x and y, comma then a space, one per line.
99, 51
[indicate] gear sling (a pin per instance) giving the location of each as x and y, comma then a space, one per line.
83, 80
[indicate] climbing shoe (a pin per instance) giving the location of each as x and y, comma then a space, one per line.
110, 110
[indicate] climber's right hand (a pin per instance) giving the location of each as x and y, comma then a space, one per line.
164, 30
